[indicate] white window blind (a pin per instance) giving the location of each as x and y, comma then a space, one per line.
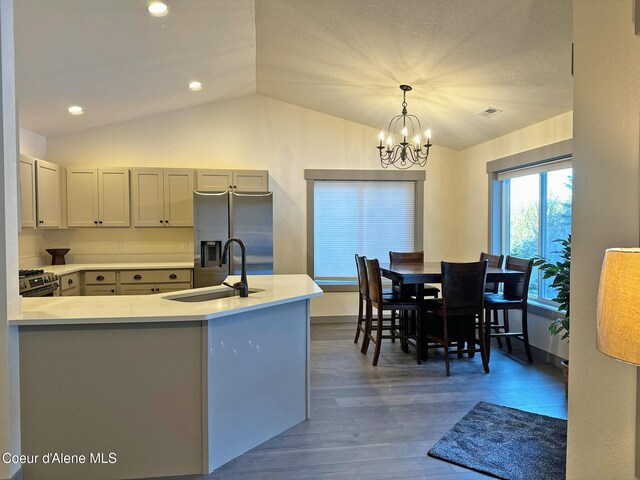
365, 217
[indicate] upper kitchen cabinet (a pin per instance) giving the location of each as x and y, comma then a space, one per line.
162, 198
27, 173
98, 197
48, 194
235, 180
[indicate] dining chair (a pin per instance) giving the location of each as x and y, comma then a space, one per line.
452, 318
514, 296
383, 303
429, 290
363, 297
494, 261
412, 257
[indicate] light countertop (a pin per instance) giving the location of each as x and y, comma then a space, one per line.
85, 267
277, 290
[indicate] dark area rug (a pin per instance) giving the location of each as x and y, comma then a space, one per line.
506, 443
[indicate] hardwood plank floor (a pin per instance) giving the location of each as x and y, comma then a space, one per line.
379, 422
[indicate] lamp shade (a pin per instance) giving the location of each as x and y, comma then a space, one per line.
619, 305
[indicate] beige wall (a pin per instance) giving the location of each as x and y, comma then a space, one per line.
473, 232
32, 143
602, 391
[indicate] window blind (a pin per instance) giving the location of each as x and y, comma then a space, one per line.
365, 217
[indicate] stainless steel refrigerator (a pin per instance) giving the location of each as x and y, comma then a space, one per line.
218, 216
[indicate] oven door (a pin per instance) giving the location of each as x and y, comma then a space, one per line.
46, 291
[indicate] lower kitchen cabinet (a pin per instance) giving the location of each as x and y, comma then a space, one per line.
100, 283
151, 288
100, 290
69, 285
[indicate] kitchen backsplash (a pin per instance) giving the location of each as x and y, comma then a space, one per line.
106, 246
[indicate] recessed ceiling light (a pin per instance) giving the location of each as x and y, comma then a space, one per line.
195, 86
75, 110
158, 9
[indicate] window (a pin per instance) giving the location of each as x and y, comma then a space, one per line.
365, 212
536, 211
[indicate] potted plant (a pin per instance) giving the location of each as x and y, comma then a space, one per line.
559, 271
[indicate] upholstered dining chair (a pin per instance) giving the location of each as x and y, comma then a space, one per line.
452, 319
514, 296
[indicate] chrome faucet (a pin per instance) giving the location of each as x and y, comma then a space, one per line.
242, 286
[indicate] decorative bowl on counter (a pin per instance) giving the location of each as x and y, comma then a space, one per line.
57, 255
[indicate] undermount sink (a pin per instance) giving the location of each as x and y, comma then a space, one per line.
206, 296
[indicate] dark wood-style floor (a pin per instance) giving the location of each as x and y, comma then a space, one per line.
379, 422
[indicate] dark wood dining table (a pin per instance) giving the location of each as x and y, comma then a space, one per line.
415, 273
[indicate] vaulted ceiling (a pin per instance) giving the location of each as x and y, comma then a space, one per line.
341, 57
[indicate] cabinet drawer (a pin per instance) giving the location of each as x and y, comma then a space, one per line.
70, 292
141, 289
99, 278
69, 281
155, 276
173, 287
99, 290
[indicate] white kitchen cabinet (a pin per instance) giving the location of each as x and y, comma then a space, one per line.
146, 282
48, 194
69, 285
27, 173
178, 198
235, 180
162, 198
98, 197
100, 290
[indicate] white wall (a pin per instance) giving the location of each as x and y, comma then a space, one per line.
250, 132
9, 299
473, 232
32, 143
602, 391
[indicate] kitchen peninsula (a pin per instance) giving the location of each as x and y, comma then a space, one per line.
174, 383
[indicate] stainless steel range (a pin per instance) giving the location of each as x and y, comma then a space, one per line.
38, 283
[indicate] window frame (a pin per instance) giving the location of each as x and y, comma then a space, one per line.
499, 204
313, 175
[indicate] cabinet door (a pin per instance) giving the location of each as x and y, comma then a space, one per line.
251, 180
139, 289
48, 194
82, 197
147, 197
99, 290
113, 188
214, 180
178, 198
27, 192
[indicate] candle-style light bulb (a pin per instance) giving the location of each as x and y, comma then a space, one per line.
404, 132
381, 137
389, 142
427, 134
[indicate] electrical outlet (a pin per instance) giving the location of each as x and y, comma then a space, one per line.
119, 247
185, 247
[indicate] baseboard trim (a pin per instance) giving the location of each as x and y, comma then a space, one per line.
334, 319
544, 356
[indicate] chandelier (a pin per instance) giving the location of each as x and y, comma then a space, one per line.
409, 151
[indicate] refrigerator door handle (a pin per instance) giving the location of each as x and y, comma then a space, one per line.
210, 194
266, 194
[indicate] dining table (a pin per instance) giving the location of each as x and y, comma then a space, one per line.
417, 274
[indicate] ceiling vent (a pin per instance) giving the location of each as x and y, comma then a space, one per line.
488, 112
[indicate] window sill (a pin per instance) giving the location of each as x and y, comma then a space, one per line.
544, 310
